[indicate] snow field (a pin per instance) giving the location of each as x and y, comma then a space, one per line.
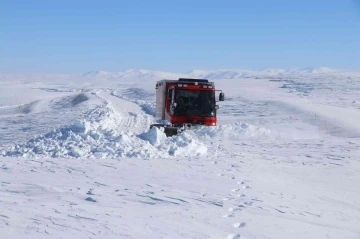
106, 132
282, 163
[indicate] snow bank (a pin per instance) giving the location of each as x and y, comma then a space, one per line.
184, 144
45, 105
233, 131
137, 96
101, 134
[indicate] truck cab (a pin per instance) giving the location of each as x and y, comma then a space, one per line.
187, 102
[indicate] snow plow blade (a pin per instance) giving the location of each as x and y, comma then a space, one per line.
168, 130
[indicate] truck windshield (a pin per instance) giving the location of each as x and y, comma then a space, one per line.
195, 103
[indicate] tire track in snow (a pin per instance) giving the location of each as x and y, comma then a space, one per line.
133, 119
138, 96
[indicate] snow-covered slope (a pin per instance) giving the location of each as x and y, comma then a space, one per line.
78, 160
139, 75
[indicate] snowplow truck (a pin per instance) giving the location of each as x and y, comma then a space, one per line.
185, 104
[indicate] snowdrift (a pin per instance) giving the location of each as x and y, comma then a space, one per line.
236, 131
119, 130
101, 135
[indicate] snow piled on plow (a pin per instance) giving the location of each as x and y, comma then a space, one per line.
180, 145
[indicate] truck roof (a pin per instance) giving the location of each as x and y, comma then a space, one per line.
188, 80
193, 80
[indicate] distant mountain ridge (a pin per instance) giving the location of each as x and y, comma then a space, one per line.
210, 74
151, 75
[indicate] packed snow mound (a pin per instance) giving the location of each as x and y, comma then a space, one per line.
101, 135
233, 131
184, 144
138, 96
81, 138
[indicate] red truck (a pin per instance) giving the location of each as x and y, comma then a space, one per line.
185, 103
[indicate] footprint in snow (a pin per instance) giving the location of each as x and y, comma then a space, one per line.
89, 199
236, 209
228, 215
248, 203
239, 225
233, 236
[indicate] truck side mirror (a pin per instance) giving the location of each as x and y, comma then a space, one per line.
221, 96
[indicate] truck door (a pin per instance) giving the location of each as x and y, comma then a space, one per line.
170, 100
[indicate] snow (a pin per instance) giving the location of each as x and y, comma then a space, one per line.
78, 159
269, 72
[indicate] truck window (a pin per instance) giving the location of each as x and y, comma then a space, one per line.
195, 103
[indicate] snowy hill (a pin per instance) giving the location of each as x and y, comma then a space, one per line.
139, 75
312, 70
100, 74
78, 160
236, 74
219, 74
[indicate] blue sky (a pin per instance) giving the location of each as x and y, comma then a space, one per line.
78, 36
